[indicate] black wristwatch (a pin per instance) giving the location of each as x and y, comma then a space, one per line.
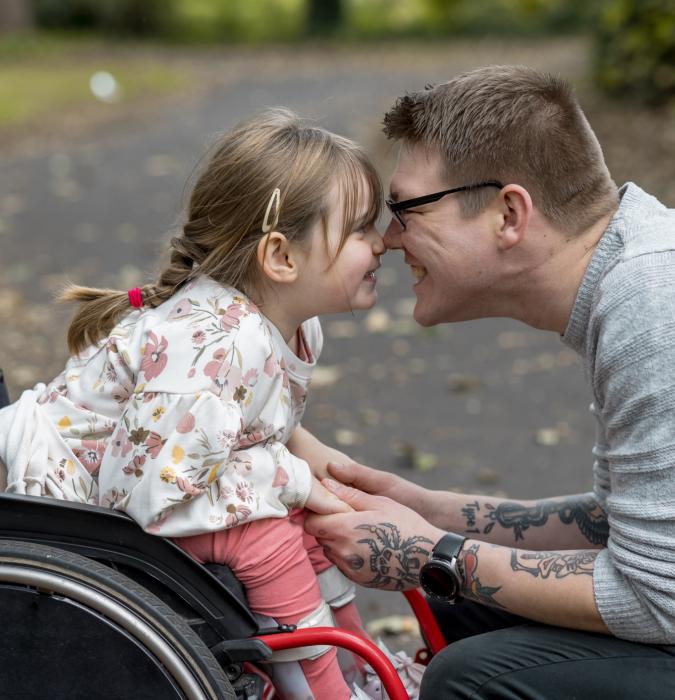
441, 577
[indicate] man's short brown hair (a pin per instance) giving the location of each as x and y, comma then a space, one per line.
515, 125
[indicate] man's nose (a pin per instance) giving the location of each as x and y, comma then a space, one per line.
392, 235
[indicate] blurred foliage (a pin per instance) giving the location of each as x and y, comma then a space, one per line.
264, 20
137, 17
635, 49
487, 17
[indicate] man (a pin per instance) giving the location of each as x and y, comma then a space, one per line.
503, 206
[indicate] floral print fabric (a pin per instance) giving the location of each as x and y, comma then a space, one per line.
181, 415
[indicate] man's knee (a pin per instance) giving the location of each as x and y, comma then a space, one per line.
453, 672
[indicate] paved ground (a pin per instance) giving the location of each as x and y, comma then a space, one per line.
488, 406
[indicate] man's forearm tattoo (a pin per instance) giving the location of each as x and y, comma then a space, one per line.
393, 560
582, 510
473, 588
556, 564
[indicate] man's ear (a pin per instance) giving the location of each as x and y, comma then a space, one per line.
276, 258
514, 216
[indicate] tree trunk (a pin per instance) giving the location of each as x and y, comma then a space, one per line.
324, 16
16, 16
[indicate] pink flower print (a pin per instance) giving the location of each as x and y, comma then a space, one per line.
186, 487
154, 358
90, 455
252, 438
245, 492
154, 444
212, 369
181, 308
198, 338
149, 396
121, 445
226, 438
250, 378
226, 491
236, 515
271, 367
231, 316
134, 467
186, 424
280, 478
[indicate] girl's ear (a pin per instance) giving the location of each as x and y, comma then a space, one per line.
277, 258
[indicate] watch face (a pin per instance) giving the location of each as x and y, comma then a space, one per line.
439, 580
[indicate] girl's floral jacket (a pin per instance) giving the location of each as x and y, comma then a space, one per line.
181, 415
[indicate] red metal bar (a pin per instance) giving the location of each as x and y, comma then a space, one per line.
428, 626
347, 640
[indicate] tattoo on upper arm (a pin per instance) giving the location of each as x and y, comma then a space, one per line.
393, 560
582, 510
557, 564
473, 588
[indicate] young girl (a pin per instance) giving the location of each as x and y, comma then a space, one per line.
182, 401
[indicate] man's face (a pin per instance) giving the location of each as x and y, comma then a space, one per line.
453, 260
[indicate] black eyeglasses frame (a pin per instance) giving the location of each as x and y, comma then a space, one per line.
397, 207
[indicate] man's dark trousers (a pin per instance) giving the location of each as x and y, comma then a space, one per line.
492, 654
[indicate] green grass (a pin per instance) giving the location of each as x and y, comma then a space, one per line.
41, 74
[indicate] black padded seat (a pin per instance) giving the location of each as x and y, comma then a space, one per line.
114, 538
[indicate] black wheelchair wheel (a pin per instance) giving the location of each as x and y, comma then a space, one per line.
74, 628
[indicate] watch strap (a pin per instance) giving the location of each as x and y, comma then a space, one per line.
449, 546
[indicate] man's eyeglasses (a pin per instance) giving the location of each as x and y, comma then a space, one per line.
396, 208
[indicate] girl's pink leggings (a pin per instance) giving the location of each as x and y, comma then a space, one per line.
271, 560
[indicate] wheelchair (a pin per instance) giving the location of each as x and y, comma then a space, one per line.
92, 607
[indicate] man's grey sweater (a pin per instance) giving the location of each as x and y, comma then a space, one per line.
623, 326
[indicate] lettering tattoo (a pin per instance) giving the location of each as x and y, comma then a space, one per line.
556, 564
582, 510
393, 560
473, 588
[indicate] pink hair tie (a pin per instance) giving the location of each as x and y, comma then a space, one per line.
135, 297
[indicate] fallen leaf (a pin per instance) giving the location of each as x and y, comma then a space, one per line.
547, 437
393, 624
377, 321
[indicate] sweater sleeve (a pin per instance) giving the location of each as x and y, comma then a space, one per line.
179, 466
634, 385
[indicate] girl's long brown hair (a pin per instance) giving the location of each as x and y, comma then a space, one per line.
224, 217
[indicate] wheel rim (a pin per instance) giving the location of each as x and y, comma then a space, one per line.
113, 610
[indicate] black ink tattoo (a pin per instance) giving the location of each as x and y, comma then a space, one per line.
473, 588
583, 510
557, 564
392, 559
355, 562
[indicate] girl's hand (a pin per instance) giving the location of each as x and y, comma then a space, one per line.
322, 501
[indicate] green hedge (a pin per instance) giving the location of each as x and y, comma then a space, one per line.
635, 49
265, 20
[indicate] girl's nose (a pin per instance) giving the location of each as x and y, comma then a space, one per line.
378, 243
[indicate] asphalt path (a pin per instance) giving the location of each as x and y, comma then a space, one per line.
489, 406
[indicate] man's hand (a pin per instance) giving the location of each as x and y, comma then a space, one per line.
381, 483
322, 501
381, 544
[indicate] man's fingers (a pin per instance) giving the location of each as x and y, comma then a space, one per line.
357, 475
358, 500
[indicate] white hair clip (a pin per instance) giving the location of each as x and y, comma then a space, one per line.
273, 203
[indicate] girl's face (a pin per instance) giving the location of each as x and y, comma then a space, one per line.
348, 281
